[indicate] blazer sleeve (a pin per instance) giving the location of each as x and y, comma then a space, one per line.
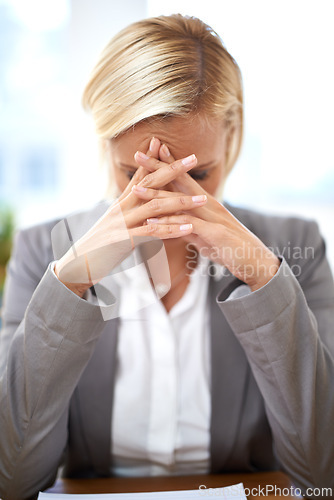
48, 337
286, 329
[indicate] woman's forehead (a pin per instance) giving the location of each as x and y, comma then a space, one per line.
183, 135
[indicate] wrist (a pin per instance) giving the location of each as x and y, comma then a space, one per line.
267, 271
78, 288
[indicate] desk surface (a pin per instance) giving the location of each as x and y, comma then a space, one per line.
252, 483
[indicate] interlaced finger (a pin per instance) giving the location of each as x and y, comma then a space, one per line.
186, 184
157, 207
163, 173
150, 193
166, 231
152, 152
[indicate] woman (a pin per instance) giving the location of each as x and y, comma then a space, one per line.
232, 370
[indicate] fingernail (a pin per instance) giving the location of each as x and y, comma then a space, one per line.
153, 220
153, 143
165, 150
199, 198
140, 189
185, 227
141, 155
189, 160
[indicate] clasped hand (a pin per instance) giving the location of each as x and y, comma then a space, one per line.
147, 210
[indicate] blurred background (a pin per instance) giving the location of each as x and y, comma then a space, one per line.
49, 163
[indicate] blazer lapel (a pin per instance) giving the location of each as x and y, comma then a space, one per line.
229, 369
95, 397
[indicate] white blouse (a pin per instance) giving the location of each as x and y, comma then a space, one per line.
162, 404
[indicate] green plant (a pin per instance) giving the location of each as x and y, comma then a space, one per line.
7, 224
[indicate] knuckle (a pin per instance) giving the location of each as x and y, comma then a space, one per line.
155, 205
151, 228
169, 228
182, 200
173, 166
147, 180
154, 193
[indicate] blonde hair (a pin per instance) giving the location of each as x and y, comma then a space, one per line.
166, 66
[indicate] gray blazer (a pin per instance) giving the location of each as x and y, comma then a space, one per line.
272, 352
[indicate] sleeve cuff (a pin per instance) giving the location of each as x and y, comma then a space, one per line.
262, 306
61, 309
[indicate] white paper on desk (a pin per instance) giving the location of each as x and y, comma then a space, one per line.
234, 492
